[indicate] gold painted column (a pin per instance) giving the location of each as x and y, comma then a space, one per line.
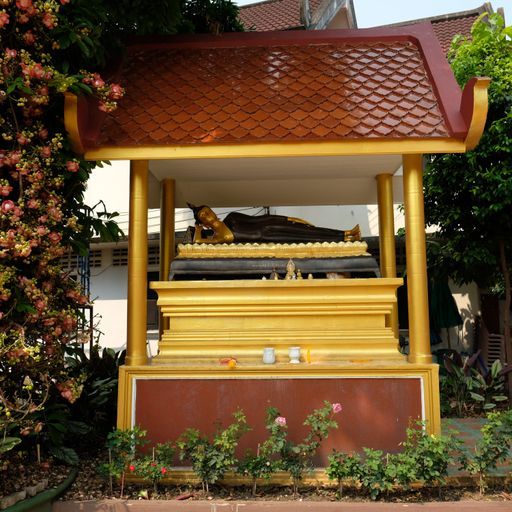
136, 353
387, 235
167, 244
415, 246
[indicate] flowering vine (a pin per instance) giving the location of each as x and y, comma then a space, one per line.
41, 206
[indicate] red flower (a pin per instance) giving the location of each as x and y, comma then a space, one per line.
7, 206
116, 91
22, 140
163, 470
4, 19
5, 190
29, 37
72, 166
55, 237
131, 467
46, 151
24, 4
48, 20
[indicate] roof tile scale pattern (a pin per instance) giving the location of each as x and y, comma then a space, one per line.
274, 15
275, 93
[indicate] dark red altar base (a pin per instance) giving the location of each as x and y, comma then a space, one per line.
375, 414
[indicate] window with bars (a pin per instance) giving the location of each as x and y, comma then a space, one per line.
120, 257
95, 258
154, 255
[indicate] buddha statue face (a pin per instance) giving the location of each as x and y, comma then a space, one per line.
207, 217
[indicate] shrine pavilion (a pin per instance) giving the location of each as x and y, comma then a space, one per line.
281, 119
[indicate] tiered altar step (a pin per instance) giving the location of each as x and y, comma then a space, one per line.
331, 320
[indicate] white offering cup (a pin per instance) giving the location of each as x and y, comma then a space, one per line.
269, 355
294, 353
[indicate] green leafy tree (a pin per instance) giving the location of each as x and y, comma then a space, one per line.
469, 196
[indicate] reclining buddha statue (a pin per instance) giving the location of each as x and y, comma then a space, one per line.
240, 228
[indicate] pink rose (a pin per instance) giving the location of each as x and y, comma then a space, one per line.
281, 421
336, 408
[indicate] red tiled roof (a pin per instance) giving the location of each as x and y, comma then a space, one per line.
274, 15
292, 86
251, 87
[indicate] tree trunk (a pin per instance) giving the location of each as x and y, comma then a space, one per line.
506, 315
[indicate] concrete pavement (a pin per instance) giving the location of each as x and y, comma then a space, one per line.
275, 506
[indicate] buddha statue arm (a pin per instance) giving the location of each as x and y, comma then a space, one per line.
221, 234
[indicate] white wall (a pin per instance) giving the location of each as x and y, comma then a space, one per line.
109, 283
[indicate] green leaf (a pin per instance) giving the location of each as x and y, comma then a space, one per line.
8, 443
65, 454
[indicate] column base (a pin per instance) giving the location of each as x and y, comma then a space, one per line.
136, 360
420, 358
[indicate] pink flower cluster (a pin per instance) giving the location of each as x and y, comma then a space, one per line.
336, 408
281, 421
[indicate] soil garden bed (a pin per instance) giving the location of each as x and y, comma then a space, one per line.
90, 485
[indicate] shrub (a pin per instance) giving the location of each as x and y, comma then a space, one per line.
425, 458
264, 463
297, 458
431, 454
343, 466
469, 387
155, 467
123, 446
493, 447
211, 459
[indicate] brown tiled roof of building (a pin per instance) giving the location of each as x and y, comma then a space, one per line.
447, 29
274, 15
285, 15
447, 26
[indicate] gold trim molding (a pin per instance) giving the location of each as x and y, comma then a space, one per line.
256, 250
275, 149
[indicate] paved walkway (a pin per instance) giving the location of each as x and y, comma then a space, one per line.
274, 506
